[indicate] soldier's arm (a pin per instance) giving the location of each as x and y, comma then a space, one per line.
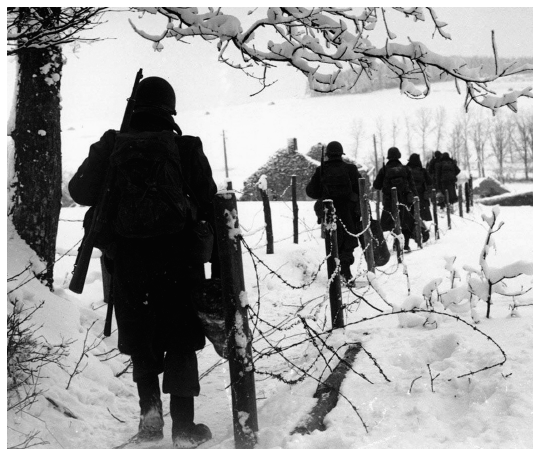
198, 172
85, 186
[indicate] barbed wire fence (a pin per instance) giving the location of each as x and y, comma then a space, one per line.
299, 346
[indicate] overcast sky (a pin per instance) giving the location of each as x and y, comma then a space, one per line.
101, 74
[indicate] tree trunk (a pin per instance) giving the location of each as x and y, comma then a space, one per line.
38, 158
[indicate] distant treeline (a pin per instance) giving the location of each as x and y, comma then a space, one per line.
381, 77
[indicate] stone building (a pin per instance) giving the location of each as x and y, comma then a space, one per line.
278, 170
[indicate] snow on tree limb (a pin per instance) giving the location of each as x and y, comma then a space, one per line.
319, 41
42, 27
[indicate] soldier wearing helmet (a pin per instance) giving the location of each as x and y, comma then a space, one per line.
151, 275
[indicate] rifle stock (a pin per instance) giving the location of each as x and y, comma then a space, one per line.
81, 263
84, 255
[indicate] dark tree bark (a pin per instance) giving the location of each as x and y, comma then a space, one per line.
38, 157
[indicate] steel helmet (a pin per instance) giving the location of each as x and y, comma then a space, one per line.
155, 92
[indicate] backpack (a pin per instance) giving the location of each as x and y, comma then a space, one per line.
448, 171
396, 176
336, 183
148, 188
418, 178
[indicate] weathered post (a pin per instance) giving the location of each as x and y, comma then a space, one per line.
460, 200
378, 204
471, 191
448, 208
397, 225
467, 205
435, 215
417, 222
241, 370
225, 155
368, 238
330, 241
262, 184
294, 209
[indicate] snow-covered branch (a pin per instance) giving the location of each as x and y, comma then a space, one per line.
49, 26
320, 41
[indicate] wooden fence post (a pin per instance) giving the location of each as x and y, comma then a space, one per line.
378, 205
267, 215
366, 220
241, 370
435, 214
460, 200
368, 238
330, 241
417, 222
471, 191
397, 225
294, 209
467, 205
448, 209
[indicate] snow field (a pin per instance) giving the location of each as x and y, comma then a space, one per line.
491, 409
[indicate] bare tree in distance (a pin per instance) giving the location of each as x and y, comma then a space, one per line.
35, 37
357, 133
455, 142
424, 128
440, 126
464, 130
408, 134
380, 135
395, 128
320, 41
480, 134
523, 139
501, 141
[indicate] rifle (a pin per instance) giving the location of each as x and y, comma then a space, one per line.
99, 218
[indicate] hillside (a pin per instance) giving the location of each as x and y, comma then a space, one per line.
255, 131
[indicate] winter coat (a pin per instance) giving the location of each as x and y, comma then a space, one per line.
151, 278
405, 198
447, 171
431, 169
422, 182
347, 209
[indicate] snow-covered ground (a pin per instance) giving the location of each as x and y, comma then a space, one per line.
490, 409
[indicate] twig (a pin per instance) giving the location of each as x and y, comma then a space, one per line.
432, 378
412, 383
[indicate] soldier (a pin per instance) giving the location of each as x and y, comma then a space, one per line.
447, 172
395, 174
151, 275
338, 181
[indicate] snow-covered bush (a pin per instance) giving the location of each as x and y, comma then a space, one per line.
27, 354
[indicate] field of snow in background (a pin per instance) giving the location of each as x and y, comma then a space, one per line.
492, 409
257, 130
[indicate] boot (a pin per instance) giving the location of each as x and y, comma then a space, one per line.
406, 247
185, 433
151, 420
